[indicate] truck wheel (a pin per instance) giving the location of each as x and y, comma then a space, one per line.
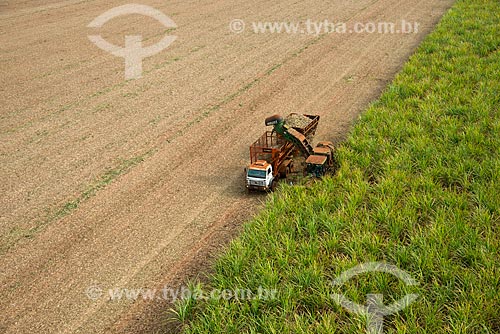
274, 184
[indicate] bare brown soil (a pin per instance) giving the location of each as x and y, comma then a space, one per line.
136, 184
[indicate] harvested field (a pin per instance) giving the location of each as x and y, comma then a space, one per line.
110, 183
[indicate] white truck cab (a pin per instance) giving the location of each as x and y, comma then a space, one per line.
259, 176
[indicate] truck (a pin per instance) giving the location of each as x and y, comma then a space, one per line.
272, 155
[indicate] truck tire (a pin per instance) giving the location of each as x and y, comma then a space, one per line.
274, 184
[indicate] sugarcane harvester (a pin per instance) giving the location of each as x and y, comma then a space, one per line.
271, 156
